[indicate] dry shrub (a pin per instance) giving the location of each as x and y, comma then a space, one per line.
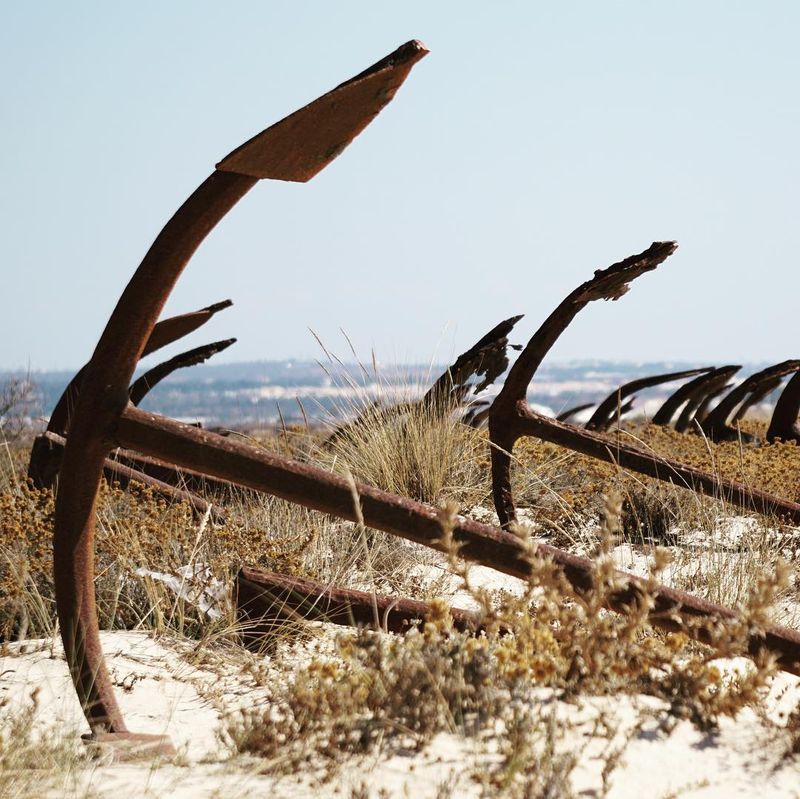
769, 467
719, 551
385, 692
651, 514
393, 435
17, 404
135, 530
34, 765
571, 483
27, 603
138, 538
413, 450
147, 547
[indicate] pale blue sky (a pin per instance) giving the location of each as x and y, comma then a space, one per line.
536, 143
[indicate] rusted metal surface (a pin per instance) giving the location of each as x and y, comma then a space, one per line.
476, 413
486, 359
758, 395
605, 415
45, 460
304, 143
294, 149
512, 418
715, 425
124, 473
570, 412
186, 479
697, 408
266, 600
783, 424
609, 284
104, 419
689, 391
615, 416
152, 377
163, 334
491, 546
620, 411
177, 327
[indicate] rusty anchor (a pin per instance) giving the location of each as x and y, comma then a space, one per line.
99, 417
611, 407
715, 423
511, 418
294, 149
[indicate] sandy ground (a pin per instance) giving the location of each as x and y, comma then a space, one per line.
161, 692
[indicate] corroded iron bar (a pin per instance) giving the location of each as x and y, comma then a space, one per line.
477, 411
103, 395
151, 378
665, 469
296, 148
604, 416
478, 416
759, 394
45, 461
620, 411
265, 600
697, 408
487, 357
229, 459
715, 425
187, 479
608, 284
176, 327
570, 412
783, 424
124, 474
688, 391
491, 546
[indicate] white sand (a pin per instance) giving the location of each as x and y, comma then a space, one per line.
161, 693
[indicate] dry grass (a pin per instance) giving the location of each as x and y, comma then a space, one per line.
413, 452
718, 551
34, 765
142, 540
385, 694
137, 532
570, 483
379, 693
17, 404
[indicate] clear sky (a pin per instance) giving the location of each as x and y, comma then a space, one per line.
536, 143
